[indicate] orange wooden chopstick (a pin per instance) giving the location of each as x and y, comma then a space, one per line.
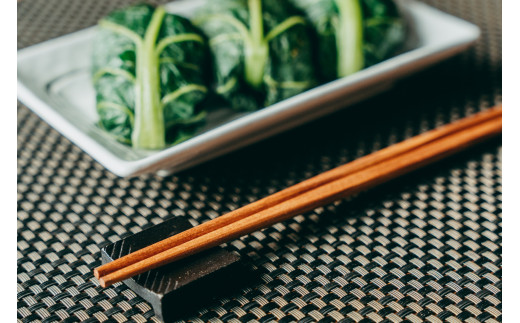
342, 181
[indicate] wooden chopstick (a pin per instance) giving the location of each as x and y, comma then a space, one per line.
292, 191
345, 180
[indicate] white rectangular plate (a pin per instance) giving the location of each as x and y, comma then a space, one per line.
54, 81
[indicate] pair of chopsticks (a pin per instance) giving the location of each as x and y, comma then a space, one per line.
325, 188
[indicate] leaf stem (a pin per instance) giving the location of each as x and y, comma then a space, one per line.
149, 132
256, 49
349, 37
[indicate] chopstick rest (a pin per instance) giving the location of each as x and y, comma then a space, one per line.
178, 288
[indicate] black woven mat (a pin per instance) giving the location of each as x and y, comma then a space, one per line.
427, 247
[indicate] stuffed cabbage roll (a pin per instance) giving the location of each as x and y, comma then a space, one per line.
260, 48
148, 73
354, 34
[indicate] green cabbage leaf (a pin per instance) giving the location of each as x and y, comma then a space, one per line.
260, 49
148, 73
354, 34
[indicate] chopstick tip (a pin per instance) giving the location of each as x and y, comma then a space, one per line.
103, 283
96, 273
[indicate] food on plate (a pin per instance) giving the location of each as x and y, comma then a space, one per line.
152, 69
354, 34
148, 73
261, 50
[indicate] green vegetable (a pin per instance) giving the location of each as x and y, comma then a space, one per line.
354, 34
148, 73
261, 50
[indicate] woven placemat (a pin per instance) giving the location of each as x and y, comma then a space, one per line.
427, 247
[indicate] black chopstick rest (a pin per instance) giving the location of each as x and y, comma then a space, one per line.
181, 287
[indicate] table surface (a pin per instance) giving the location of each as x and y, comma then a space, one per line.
427, 247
